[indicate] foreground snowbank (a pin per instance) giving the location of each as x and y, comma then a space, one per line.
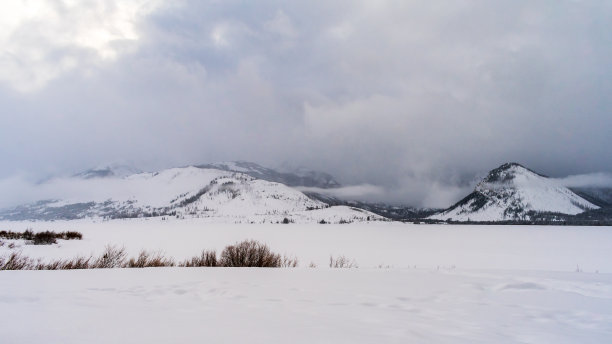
220, 305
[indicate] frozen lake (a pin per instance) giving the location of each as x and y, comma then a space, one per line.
415, 284
369, 244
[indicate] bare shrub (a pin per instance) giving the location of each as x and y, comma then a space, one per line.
206, 258
44, 238
113, 257
250, 253
342, 263
71, 235
312, 265
10, 235
149, 260
28, 235
41, 238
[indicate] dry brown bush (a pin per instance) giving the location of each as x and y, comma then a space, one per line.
250, 253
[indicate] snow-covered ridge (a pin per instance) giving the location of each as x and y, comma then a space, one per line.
181, 193
287, 176
513, 192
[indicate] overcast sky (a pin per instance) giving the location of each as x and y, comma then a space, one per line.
416, 97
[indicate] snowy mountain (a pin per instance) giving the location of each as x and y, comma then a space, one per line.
513, 192
180, 193
290, 177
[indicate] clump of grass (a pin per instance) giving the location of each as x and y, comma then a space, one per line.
289, 262
112, 257
206, 258
73, 264
147, 259
16, 261
342, 263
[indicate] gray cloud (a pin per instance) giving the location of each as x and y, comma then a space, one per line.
415, 97
603, 180
351, 192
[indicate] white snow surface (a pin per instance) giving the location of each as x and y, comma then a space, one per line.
414, 284
400, 245
522, 189
217, 305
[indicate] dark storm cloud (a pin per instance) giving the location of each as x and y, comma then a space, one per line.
414, 97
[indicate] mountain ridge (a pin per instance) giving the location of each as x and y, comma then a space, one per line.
183, 192
296, 177
514, 192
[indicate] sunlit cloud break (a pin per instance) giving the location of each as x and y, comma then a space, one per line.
43, 39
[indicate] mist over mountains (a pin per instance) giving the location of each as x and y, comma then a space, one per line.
251, 192
412, 97
185, 192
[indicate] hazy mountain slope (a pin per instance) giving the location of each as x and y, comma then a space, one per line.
297, 177
181, 192
513, 192
599, 196
395, 212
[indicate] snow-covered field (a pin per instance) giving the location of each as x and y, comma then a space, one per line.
414, 284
